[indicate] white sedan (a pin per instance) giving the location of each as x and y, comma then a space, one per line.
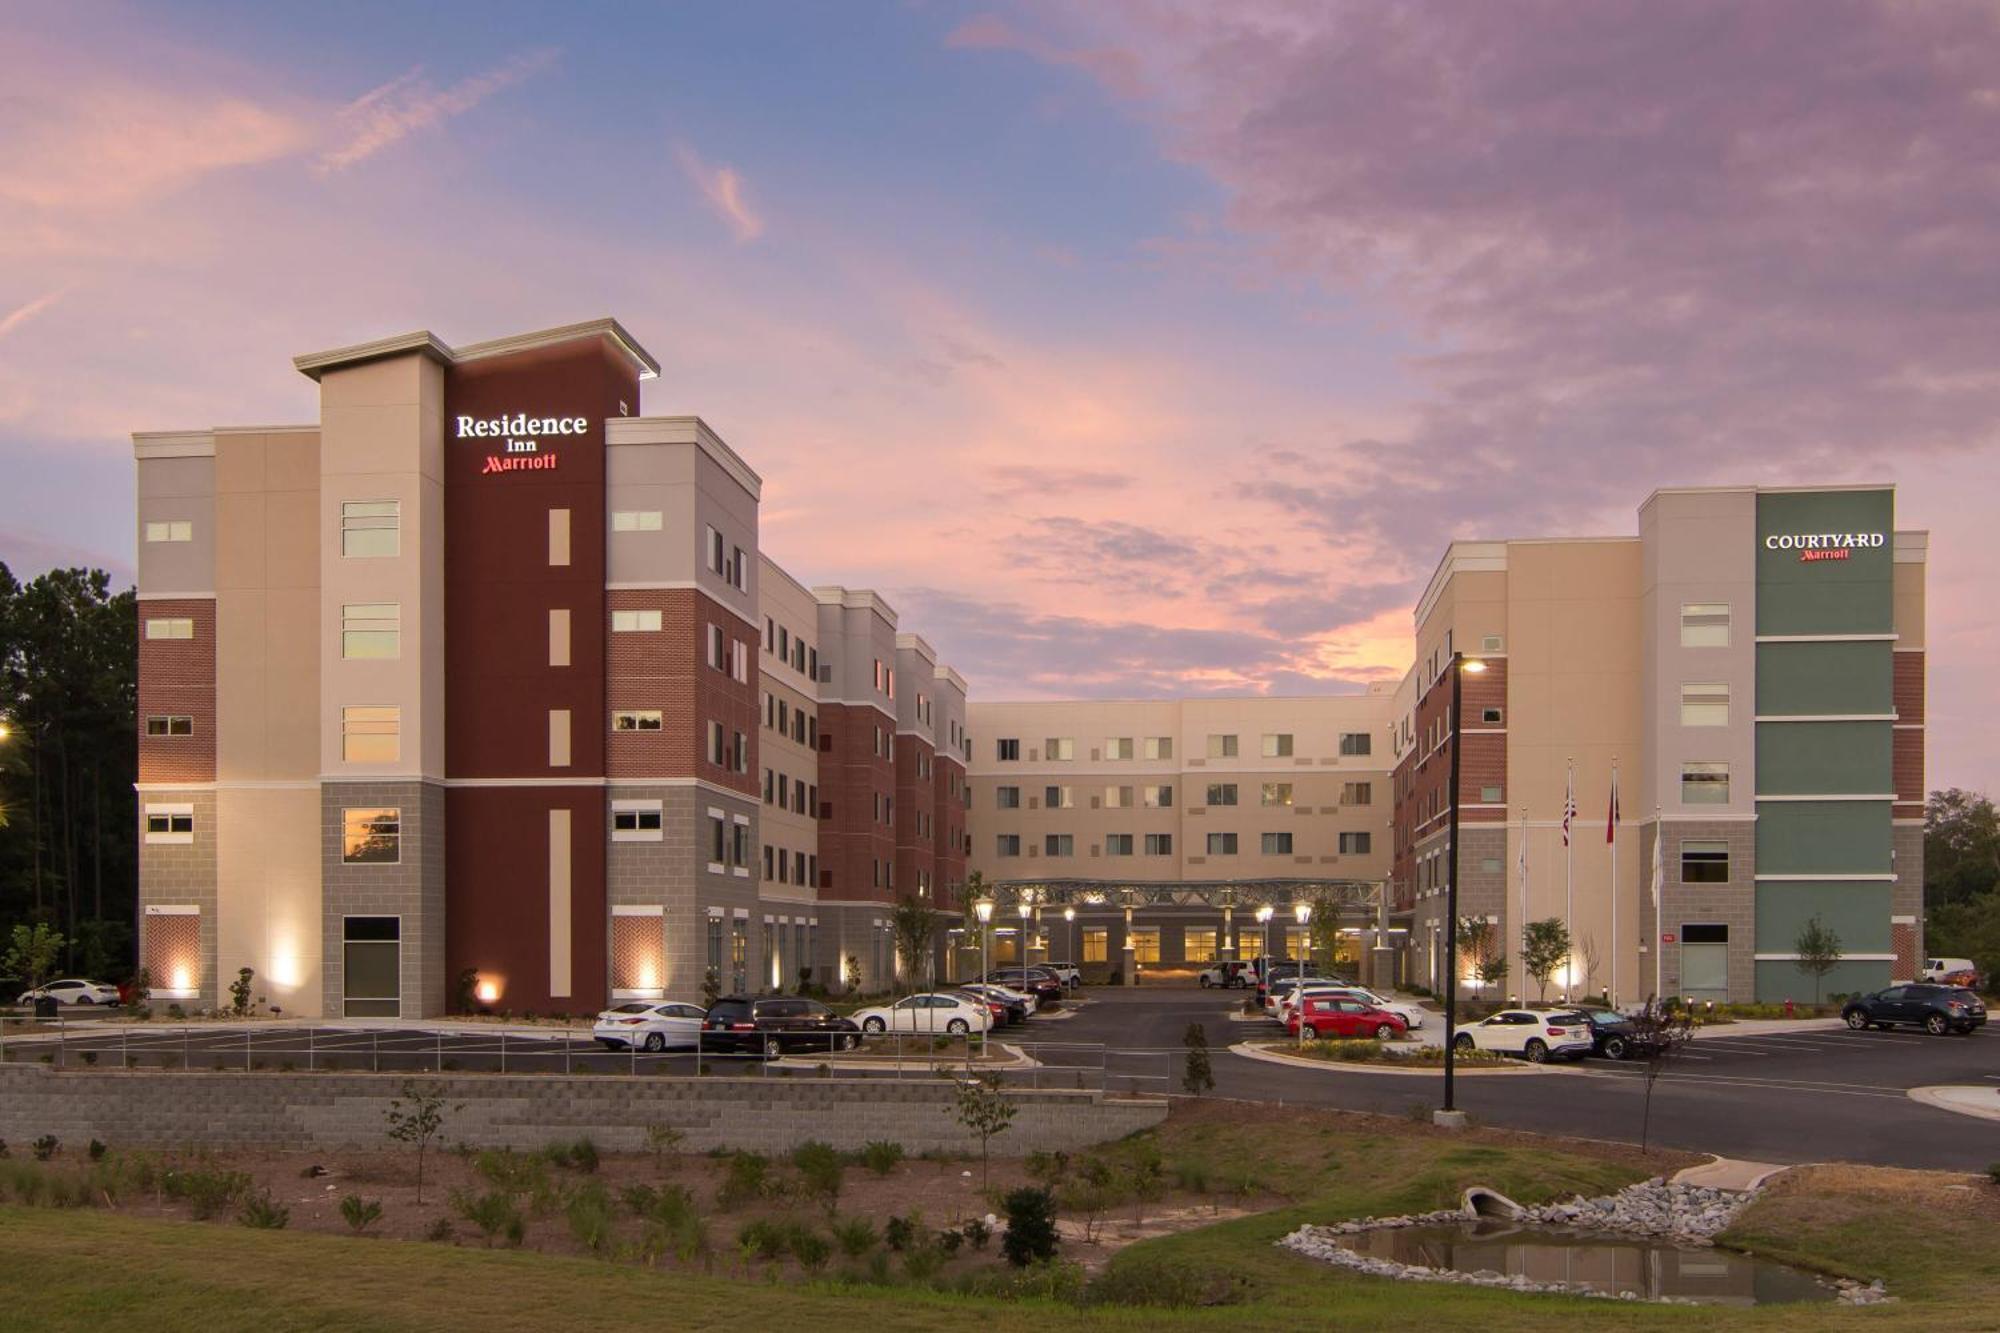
1538, 1034
71, 990
953, 1015
649, 1025
1412, 1016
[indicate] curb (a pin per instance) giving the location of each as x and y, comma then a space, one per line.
1249, 1052
1020, 1060
1953, 1098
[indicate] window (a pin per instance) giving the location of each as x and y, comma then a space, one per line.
1705, 705
1277, 844
1156, 798
371, 966
739, 570
559, 738
371, 630
1007, 844
1356, 743
1059, 798
1118, 798
636, 719
1277, 793
740, 752
170, 627
718, 656
371, 837
1159, 747
173, 530
739, 845
1198, 944
1704, 933
1357, 793
1059, 747
1222, 844
1007, 798
1704, 624
1491, 795
1356, 844
718, 840
558, 536
1145, 942
1058, 844
1221, 747
170, 823
718, 753
1007, 751
635, 520
645, 621
1704, 862
1159, 844
1096, 944
718, 558
1222, 793
1117, 844
371, 528
371, 735
1118, 747
1704, 784
1490, 716
171, 724
1278, 745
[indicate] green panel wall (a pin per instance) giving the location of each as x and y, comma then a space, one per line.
1814, 679
1824, 758
1851, 596
1781, 981
1857, 912
1823, 838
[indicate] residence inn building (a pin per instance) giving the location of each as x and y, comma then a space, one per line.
480, 691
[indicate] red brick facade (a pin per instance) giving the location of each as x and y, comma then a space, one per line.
668, 671
916, 817
949, 788
1423, 776
177, 679
1908, 756
856, 778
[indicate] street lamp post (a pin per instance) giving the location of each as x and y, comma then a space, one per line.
1069, 915
1460, 665
1027, 910
1303, 911
982, 908
1264, 915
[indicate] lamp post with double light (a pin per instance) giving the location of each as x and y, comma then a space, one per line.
1303, 910
1264, 915
1461, 666
982, 908
1069, 916
1027, 911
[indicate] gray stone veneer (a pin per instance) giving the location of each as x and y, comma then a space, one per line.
413, 889
673, 873
183, 874
1733, 904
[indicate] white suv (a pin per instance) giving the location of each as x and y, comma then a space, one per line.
1536, 1034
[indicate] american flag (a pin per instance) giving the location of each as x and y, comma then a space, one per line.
1569, 804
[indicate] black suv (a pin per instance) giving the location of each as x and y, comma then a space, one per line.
1937, 1009
774, 1025
1616, 1037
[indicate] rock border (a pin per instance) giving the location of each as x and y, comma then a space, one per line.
1690, 1215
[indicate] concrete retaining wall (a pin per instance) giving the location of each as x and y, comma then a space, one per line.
221, 1109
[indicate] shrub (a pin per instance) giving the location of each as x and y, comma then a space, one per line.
494, 1213
671, 1222
921, 1261
663, 1140
439, 1230
898, 1233
854, 1235
259, 1211
360, 1213
46, 1147
762, 1239
746, 1177
207, 1192
809, 1247
96, 1150
583, 1156
977, 1233
1047, 1168
589, 1213
239, 992
881, 1156
1031, 1227
820, 1168
1177, 1284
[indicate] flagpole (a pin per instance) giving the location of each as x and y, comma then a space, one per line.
1521, 928
1659, 873
1569, 877
1611, 836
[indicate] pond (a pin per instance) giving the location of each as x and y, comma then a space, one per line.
1600, 1261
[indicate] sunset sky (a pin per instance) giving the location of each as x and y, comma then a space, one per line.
1129, 348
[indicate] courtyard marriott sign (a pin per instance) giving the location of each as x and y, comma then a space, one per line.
520, 436
1821, 545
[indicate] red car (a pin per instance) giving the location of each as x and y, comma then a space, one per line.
1337, 1016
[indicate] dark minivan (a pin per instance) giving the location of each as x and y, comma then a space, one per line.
1936, 1009
775, 1025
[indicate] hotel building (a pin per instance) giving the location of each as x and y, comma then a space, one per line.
1752, 666
481, 689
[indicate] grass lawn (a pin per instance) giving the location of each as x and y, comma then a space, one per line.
1931, 1236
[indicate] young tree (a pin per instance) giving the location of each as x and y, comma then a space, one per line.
1659, 1033
915, 927
983, 1109
1545, 948
1586, 953
1198, 1077
32, 953
1818, 950
416, 1118
1479, 945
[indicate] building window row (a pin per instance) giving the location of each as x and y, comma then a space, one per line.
729, 656
791, 649
637, 520
728, 843
785, 719
728, 561
170, 530
789, 867
169, 724
728, 749
789, 793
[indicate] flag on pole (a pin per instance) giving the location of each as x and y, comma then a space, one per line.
1611, 825
1569, 804
1659, 866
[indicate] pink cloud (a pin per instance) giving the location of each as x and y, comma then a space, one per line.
723, 188
21, 314
1117, 69
406, 105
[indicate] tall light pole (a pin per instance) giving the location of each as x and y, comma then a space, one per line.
1027, 910
1303, 910
982, 907
1264, 915
1069, 915
1460, 665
